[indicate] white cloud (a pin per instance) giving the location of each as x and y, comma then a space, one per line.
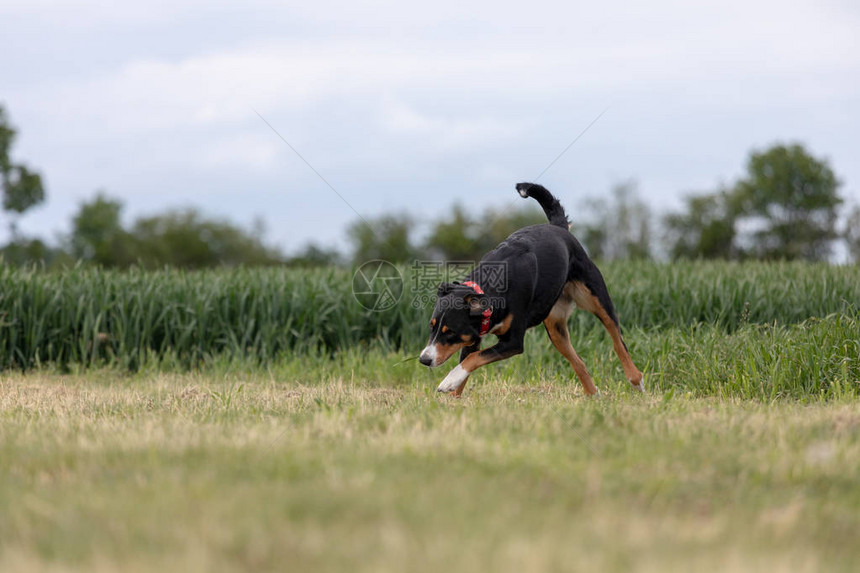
717, 55
99, 14
255, 151
448, 133
393, 89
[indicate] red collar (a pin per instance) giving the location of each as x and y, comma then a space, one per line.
485, 321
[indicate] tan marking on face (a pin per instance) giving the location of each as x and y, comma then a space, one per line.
467, 338
444, 351
474, 303
444, 329
433, 322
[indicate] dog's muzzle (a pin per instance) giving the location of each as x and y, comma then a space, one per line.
428, 357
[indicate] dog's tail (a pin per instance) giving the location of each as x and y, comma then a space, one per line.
553, 209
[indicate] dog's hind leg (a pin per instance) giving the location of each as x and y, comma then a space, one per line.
556, 327
587, 300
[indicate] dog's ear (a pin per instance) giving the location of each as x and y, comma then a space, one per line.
478, 303
445, 288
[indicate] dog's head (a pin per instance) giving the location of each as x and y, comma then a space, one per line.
455, 323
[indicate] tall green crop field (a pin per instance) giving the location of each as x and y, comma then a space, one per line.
795, 324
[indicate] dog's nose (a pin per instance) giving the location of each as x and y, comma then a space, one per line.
428, 356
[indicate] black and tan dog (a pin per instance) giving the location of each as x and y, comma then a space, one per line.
547, 274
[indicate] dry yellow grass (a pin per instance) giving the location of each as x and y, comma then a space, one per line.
202, 473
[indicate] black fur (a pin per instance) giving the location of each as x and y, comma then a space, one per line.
553, 209
540, 260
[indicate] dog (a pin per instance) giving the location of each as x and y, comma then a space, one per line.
547, 273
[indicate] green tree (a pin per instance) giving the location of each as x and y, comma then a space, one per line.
461, 237
497, 224
98, 235
705, 230
185, 238
313, 255
852, 234
790, 198
387, 238
619, 227
23, 252
181, 238
455, 238
22, 187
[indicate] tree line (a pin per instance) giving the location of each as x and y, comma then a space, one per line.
786, 206
183, 238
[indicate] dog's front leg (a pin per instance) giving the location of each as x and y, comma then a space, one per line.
455, 381
465, 353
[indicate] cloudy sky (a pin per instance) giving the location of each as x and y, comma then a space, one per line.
409, 108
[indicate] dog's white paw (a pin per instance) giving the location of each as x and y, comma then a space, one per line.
639, 386
453, 380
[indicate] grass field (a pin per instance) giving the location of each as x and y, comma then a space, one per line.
261, 420
218, 472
